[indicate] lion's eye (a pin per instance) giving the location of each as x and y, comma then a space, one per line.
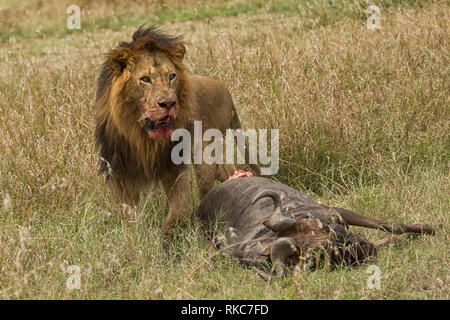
146, 79
172, 76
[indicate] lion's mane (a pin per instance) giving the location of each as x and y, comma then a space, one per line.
125, 148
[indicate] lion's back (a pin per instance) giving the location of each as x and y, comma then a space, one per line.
212, 102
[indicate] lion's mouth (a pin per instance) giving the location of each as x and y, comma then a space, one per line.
154, 125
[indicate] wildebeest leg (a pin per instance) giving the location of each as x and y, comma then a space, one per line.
356, 219
390, 239
177, 186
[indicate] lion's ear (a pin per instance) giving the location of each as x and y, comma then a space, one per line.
180, 50
119, 58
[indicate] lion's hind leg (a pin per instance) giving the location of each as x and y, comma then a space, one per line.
224, 171
205, 176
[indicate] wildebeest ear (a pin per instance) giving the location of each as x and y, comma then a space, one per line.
118, 59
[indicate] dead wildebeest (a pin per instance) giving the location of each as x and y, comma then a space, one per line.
259, 220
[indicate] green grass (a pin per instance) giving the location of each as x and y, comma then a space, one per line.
363, 118
319, 12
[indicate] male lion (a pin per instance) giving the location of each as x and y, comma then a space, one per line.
143, 95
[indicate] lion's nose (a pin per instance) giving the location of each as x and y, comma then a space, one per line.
168, 103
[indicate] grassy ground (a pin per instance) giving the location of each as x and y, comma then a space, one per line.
363, 118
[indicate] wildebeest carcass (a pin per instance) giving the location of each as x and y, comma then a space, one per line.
259, 220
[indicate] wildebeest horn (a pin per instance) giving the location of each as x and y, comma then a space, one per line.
281, 249
279, 223
276, 197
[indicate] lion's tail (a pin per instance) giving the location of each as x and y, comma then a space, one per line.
236, 124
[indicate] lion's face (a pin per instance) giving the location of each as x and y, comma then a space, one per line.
152, 87
143, 92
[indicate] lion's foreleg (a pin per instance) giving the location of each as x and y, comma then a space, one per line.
125, 191
177, 186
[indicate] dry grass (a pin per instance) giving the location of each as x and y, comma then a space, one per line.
363, 118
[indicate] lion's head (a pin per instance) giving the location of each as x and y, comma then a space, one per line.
147, 81
142, 96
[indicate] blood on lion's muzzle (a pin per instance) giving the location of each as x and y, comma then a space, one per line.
152, 125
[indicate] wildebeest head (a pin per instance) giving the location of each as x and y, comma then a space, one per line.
310, 234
